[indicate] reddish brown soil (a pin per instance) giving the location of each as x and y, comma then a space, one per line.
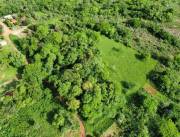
82, 129
150, 89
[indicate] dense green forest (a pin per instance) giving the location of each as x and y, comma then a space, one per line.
95, 68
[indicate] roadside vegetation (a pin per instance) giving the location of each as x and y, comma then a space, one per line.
100, 68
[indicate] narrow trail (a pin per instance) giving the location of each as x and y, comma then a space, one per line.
7, 32
82, 129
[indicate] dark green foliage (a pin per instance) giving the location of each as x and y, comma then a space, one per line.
162, 34
152, 10
143, 56
134, 22
16, 60
127, 85
63, 120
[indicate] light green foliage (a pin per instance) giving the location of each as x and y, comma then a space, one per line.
116, 55
33, 74
151, 105
74, 104
168, 129
7, 73
42, 31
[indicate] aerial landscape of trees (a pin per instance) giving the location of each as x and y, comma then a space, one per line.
61, 79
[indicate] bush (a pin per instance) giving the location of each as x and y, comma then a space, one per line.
134, 22
127, 85
160, 33
168, 129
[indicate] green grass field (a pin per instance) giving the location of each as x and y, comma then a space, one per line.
6, 72
123, 64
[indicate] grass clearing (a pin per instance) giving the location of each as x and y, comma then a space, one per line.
6, 73
123, 64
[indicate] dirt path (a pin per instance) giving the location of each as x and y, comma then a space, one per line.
8, 82
6, 33
150, 89
19, 32
82, 129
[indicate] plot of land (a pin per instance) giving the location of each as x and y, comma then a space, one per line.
123, 64
7, 74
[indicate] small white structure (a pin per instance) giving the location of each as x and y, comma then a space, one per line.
9, 17
3, 43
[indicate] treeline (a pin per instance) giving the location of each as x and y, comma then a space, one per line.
157, 10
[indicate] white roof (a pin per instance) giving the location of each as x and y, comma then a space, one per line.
3, 43
8, 17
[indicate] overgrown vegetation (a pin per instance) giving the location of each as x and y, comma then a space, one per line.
87, 62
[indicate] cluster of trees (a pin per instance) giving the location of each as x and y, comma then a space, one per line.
167, 79
146, 116
69, 66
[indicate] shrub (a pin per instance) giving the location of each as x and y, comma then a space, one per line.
127, 85
134, 22
143, 56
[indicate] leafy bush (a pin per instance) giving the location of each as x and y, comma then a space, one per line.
134, 22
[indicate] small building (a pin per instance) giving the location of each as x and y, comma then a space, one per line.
3, 43
9, 17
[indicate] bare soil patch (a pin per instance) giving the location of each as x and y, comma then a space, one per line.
150, 89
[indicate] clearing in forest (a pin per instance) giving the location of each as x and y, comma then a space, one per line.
7, 74
123, 63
